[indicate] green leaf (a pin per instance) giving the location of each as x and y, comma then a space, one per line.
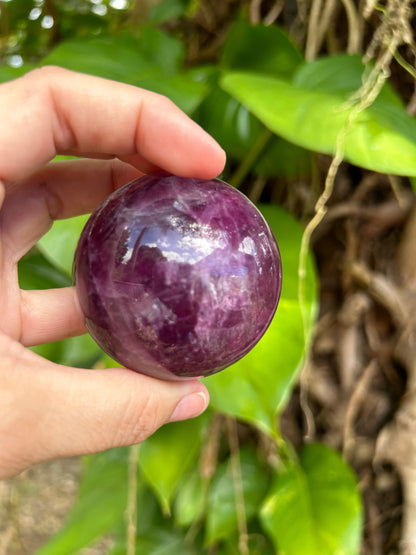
381, 137
155, 534
80, 351
190, 499
99, 508
314, 507
168, 454
257, 386
257, 542
160, 541
163, 542
281, 158
229, 122
35, 272
237, 131
59, 244
123, 57
245, 41
221, 513
342, 74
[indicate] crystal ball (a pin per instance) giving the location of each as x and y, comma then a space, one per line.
177, 277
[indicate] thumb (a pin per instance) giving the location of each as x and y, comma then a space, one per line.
51, 411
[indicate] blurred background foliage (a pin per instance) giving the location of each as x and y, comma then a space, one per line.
249, 73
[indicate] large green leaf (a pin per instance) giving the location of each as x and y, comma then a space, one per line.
151, 60
341, 74
245, 42
314, 507
258, 385
167, 455
121, 57
99, 508
221, 511
381, 137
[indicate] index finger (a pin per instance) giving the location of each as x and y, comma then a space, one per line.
51, 111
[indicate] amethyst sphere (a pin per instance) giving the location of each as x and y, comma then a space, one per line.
177, 276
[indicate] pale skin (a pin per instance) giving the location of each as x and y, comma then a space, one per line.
47, 410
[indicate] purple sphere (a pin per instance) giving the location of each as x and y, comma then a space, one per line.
177, 276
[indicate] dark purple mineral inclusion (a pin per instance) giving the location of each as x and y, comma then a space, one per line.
177, 276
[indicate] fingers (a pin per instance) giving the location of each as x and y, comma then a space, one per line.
50, 315
49, 411
52, 110
60, 190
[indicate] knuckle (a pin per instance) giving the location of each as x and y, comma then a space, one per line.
44, 73
166, 102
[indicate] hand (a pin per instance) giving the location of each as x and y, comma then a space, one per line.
47, 410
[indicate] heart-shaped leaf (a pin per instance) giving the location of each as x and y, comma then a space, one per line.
168, 454
314, 507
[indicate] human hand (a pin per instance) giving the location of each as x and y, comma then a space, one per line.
48, 410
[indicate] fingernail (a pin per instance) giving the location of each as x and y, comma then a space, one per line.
190, 406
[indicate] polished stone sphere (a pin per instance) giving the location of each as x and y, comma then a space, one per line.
177, 277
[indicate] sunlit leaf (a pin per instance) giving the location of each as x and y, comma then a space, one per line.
341, 74
314, 507
167, 455
381, 137
257, 386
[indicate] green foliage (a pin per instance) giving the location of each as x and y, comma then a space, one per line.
244, 41
168, 454
150, 59
314, 507
232, 124
380, 137
100, 506
36, 272
272, 113
59, 244
221, 509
